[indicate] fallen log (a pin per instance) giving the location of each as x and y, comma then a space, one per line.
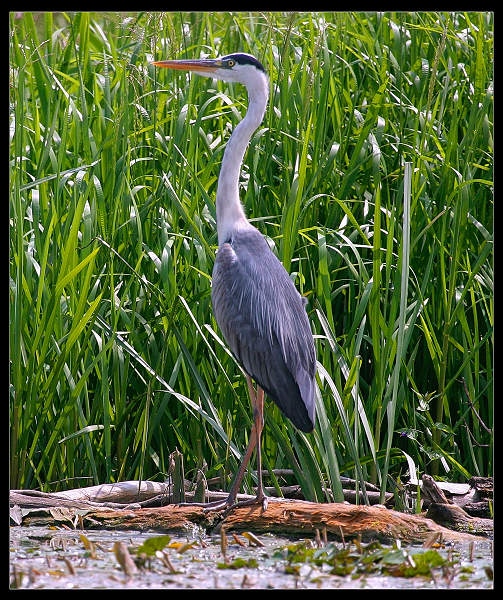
339, 519
445, 512
343, 521
455, 518
474, 497
123, 492
152, 505
137, 494
30, 499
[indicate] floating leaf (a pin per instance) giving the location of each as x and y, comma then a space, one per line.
420, 563
239, 563
153, 544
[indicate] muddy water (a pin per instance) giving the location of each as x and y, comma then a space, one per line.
41, 557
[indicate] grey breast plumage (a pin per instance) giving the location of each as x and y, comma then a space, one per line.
263, 319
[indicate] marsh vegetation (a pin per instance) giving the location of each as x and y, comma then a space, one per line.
115, 357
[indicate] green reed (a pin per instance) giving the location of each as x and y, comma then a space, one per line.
116, 358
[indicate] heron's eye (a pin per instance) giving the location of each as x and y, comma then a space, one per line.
231, 63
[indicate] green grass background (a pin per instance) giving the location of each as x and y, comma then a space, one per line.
115, 357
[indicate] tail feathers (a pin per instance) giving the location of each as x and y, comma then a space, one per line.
295, 398
306, 388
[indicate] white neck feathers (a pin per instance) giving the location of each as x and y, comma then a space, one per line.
230, 213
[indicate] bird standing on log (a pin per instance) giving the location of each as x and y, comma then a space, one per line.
260, 312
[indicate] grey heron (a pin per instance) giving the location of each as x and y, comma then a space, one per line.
260, 312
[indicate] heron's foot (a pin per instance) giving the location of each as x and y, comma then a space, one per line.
260, 498
230, 503
207, 506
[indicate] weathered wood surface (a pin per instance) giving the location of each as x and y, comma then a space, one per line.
444, 511
149, 494
111, 495
149, 505
457, 519
282, 516
474, 497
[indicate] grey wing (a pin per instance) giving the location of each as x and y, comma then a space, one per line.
263, 320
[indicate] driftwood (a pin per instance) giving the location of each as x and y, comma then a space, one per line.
151, 494
474, 497
156, 506
89, 508
456, 518
445, 511
113, 495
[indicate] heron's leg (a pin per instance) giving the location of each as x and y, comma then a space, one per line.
236, 484
257, 402
231, 498
259, 425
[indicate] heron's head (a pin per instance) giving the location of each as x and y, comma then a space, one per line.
240, 67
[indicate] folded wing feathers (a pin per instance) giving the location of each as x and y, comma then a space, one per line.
263, 319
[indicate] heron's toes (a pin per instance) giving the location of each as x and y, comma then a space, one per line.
215, 507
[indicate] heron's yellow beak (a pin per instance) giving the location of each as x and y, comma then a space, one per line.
205, 65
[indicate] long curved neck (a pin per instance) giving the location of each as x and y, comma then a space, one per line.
230, 213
